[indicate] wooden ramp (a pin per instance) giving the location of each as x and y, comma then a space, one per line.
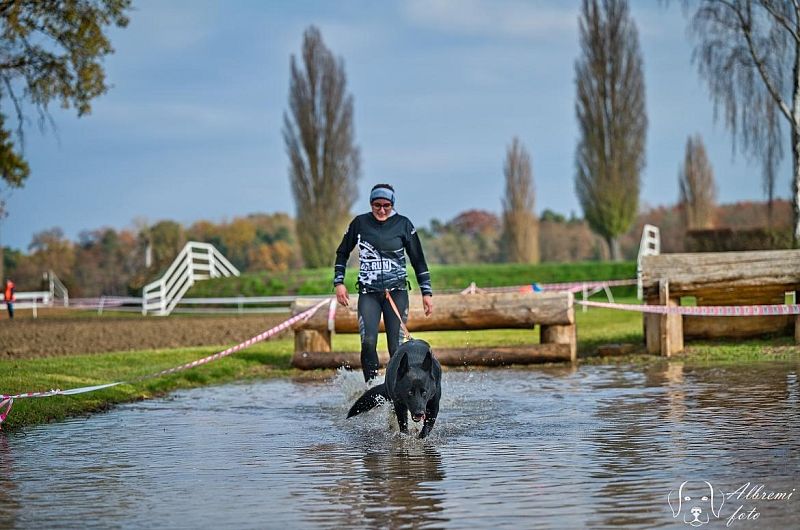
718, 279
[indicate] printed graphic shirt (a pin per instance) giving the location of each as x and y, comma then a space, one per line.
381, 254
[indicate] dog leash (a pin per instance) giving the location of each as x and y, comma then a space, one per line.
406, 333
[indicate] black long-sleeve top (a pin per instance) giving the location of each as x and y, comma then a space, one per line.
381, 252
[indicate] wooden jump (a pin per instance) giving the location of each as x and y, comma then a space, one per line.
718, 278
553, 312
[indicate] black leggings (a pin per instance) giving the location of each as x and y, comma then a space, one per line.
370, 308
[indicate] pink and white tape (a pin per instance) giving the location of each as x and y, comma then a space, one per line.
573, 287
705, 310
7, 400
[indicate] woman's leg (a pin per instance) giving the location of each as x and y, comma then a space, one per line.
369, 317
394, 337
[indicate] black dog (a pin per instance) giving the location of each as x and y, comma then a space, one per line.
413, 383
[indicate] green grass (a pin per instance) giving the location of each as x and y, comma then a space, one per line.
272, 359
269, 359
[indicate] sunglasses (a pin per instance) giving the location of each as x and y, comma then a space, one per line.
382, 205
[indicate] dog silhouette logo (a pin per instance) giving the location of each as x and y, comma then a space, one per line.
696, 501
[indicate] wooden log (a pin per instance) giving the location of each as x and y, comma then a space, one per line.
311, 360
652, 332
312, 340
479, 356
736, 327
560, 335
671, 326
461, 312
711, 271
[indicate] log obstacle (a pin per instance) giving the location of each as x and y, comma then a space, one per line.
718, 278
553, 312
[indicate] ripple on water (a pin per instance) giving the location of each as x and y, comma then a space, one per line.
515, 448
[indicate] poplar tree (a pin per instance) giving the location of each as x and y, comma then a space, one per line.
698, 191
610, 108
324, 162
520, 239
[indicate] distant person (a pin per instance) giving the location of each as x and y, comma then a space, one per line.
9, 297
383, 237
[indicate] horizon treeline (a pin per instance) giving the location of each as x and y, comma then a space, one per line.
106, 261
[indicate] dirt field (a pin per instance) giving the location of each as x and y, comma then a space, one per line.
46, 337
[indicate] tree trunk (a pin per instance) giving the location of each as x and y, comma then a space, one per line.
613, 248
795, 128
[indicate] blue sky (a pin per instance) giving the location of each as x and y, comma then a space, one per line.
192, 126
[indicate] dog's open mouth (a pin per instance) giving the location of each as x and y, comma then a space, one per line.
418, 417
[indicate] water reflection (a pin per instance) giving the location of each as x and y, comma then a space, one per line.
520, 448
8, 493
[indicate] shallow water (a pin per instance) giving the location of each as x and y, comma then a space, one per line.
593, 447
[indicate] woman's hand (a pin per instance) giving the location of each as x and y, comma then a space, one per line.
427, 304
341, 295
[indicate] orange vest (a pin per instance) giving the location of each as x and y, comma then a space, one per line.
9, 294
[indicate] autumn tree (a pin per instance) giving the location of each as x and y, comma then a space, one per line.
50, 51
520, 239
612, 122
748, 51
470, 237
698, 192
324, 162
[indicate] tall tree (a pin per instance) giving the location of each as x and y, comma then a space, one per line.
50, 51
324, 160
698, 192
610, 107
520, 240
748, 51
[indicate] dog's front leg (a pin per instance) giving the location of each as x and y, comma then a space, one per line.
401, 411
431, 411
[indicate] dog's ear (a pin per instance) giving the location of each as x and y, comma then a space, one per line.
427, 363
717, 500
676, 509
402, 370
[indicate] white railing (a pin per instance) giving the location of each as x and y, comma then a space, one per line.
649, 246
57, 289
30, 300
197, 261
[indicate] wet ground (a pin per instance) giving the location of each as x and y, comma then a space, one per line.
588, 447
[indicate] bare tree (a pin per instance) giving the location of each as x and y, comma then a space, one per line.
610, 107
520, 238
698, 192
324, 161
748, 51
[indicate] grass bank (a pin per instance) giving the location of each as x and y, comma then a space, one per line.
271, 359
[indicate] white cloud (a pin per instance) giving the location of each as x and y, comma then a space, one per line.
503, 18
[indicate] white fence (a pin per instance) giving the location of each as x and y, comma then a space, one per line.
197, 261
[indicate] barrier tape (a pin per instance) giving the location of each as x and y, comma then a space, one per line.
8, 399
564, 286
705, 310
